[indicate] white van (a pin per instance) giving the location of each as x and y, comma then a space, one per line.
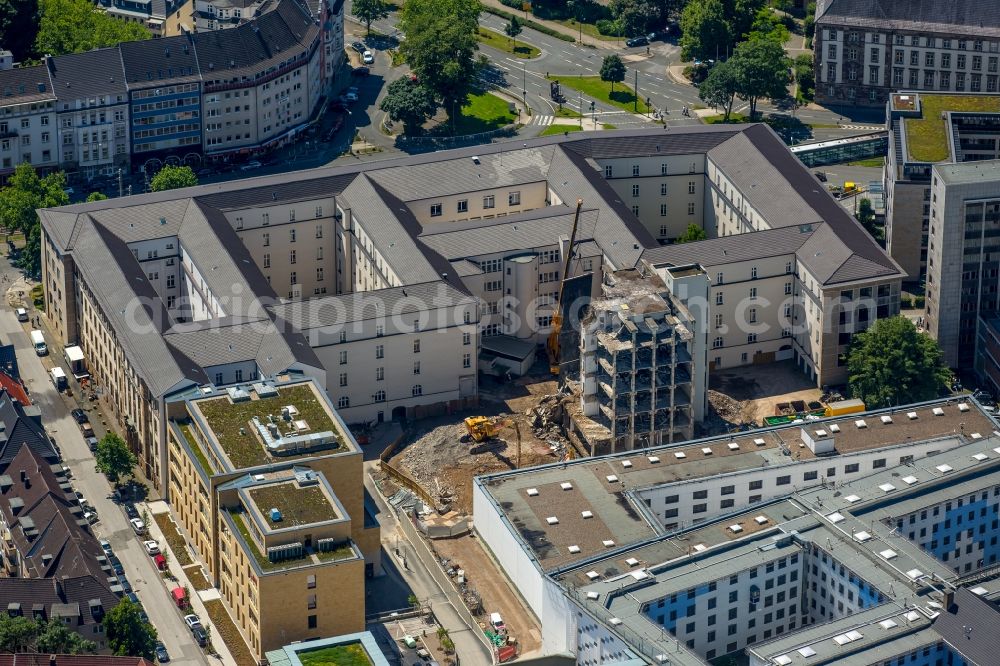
22, 314
59, 379
38, 342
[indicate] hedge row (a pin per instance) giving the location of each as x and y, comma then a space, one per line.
528, 23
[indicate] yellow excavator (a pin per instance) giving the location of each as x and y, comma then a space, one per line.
480, 428
552, 344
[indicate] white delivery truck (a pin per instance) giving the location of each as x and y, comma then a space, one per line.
38, 342
59, 378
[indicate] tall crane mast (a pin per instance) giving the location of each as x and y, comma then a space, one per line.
552, 344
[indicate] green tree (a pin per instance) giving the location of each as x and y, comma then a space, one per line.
866, 216
705, 32
114, 459
54, 637
634, 16
72, 26
369, 11
128, 634
613, 70
440, 47
24, 194
761, 70
18, 27
97, 196
17, 634
892, 364
173, 177
408, 102
513, 29
767, 25
742, 14
691, 234
720, 87
805, 76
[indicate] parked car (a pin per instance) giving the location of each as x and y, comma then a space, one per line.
361, 71
192, 621
131, 596
349, 97
22, 314
368, 58
118, 569
130, 511
152, 548
200, 636
359, 47
138, 525
92, 443
636, 41
87, 429
162, 656
127, 586
106, 546
251, 165
204, 173
80, 416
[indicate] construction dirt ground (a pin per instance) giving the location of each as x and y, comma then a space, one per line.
443, 460
745, 395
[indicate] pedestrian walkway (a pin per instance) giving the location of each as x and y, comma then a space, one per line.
539, 119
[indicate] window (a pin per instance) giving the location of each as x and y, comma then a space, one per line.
463, 206
319, 274
291, 257
343, 379
379, 331
663, 189
783, 480
379, 374
343, 357
852, 469
319, 252
379, 351
753, 293
635, 169
635, 190
466, 338
718, 321
436, 210
267, 239
489, 201
416, 367
718, 298
466, 360
691, 208
319, 231
291, 235
751, 338
788, 288
608, 171
343, 402
293, 278
691, 184
663, 213
311, 621
717, 343
513, 198
417, 390
635, 211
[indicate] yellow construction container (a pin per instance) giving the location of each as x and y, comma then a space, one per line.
843, 407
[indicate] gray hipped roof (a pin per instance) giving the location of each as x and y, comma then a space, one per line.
956, 17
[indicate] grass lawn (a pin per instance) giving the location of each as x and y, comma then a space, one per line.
483, 112
593, 86
607, 126
174, 538
197, 577
224, 630
926, 137
298, 506
588, 29
552, 130
719, 119
225, 419
503, 43
352, 654
870, 162
566, 112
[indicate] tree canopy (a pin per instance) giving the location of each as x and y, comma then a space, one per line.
114, 459
26, 192
513, 29
720, 87
613, 70
97, 196
691, 234
369, 11
761, 68
128, 634
705, 32
440, 47
72, 26
18, 27
408, 102
24, 634
173, 177
892, 364
634, 17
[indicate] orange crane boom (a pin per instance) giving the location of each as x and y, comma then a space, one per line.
552, 344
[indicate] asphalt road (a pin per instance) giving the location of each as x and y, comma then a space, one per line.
113, 525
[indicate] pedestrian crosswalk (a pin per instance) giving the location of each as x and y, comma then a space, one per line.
869, 128
539, 119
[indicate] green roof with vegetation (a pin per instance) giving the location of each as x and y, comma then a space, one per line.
225, 419
927, 136
342, 552
196, 448
352, 654
298, 505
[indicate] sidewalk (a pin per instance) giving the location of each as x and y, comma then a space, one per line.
196, 599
